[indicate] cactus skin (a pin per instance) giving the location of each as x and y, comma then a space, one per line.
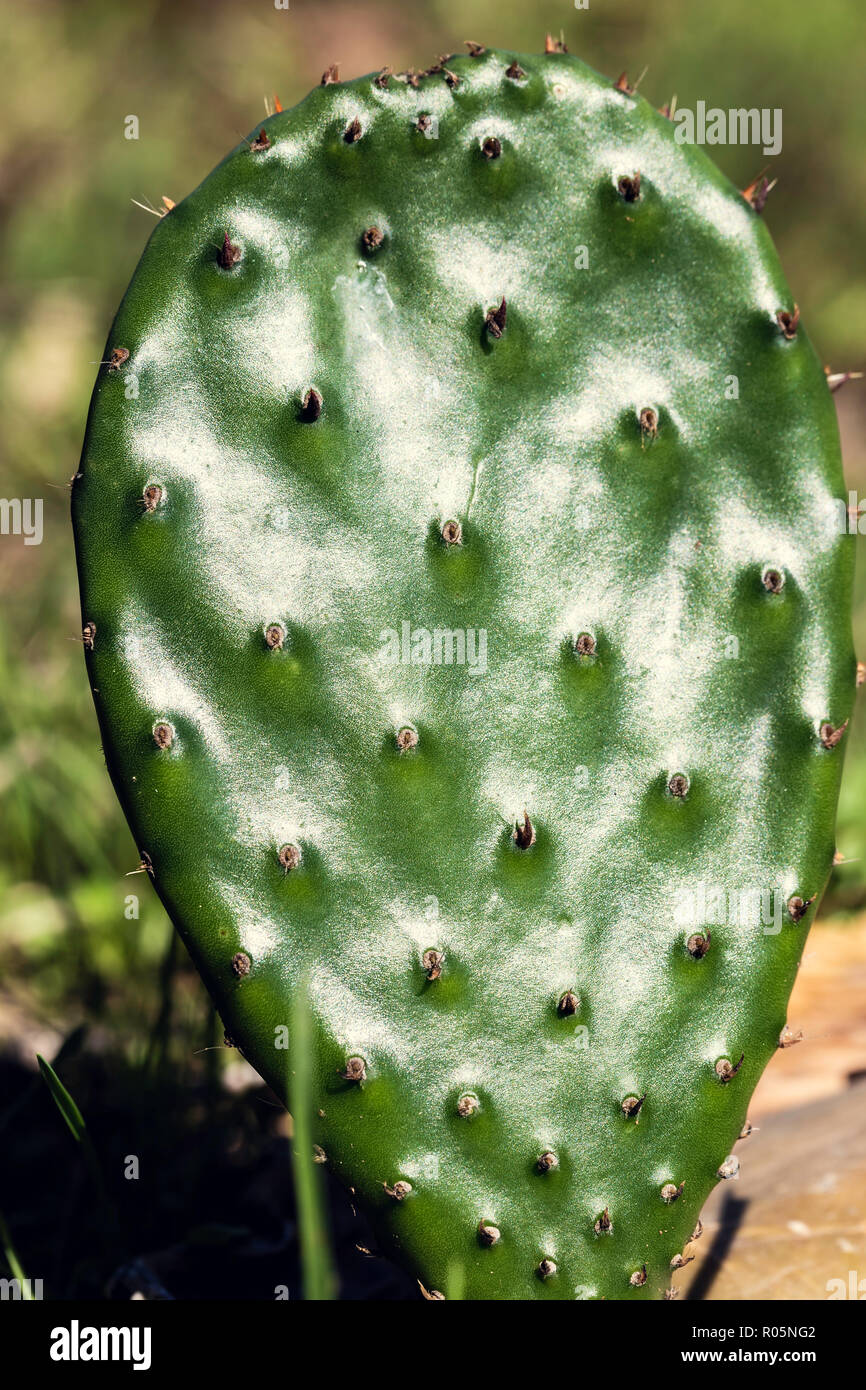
238, 606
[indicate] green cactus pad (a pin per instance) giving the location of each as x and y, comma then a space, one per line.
468, 621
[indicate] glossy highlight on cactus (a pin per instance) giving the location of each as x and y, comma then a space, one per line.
453, 349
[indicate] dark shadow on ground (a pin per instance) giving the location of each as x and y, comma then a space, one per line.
211, 1214
731, 1219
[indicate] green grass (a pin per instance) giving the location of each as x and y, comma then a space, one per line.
319, 1279
12, 1260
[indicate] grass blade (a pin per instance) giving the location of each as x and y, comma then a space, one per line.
318, 1273
77, 1128
13, 1261
63, 1100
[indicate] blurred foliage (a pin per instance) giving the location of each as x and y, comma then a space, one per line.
195, 73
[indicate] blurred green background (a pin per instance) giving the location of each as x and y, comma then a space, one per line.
195, 73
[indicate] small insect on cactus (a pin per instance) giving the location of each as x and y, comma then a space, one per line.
469, 631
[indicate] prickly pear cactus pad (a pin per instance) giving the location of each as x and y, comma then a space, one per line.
467, 615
